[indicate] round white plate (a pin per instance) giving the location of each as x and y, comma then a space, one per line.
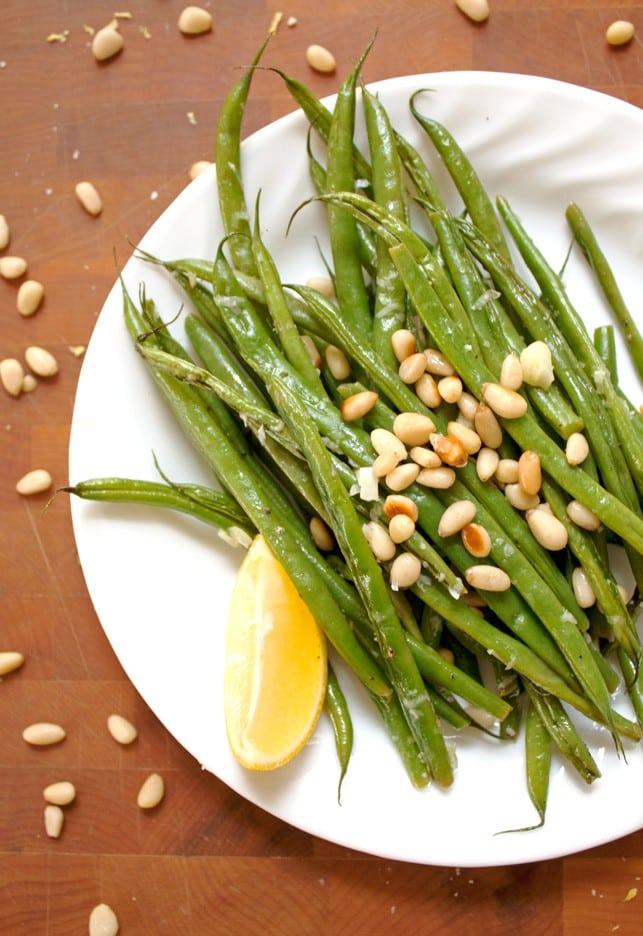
160, 582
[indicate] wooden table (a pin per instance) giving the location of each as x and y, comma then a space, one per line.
206, 862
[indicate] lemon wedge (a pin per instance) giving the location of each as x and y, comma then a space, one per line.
275, 666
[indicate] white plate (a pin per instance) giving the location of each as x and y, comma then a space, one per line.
160, 582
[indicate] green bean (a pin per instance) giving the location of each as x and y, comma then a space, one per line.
339, 714
537, 762
606, 349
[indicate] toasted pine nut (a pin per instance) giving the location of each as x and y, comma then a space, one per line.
427, 391
511, 372
576, 448
468, 405
321, 534
34, 482
619, 32
400, 528
476, 10
469, 438
504, 402
439, 478
194, 20
400, 504
476, 540
487, 463
151, 792
518, 497
198, 168
60, 793
487, 578
402, 476
447, 654
322, 284
121, 730
338, 363
88, 196
54, 820
358, 405
413, 428
320, 59
487, 426
385, 463
547, 529
10, 660
450, 388
437, 364
30, 295
583, 591
507, 471
11, 375
582, 516
425, 457
412, 368
313, 351
12, 267
537, 367
405, 571
403, 343
5, 232
41, 361
384, 441
103, 921
378, 538
42, 734
455, 517
106, 43
530, 476
451, 450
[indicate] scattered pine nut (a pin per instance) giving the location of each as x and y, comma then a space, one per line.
29, 383
504, 402
412, 368
42, 734
511, 372
620, 32
451, 450
400, 504
34, 482
12, 267
10, 660
537, 367
507, 471
425, 457
476, 540
427, 390
320, 59
358, 405
487, 426
402, 476
5, 232
322, 284
313, 351
413, 428
378, 538
54, 820
576, 449
487, 463
440, 478
437, 364
151, 792
121, 730
582, 516
337, 362
321, 534
405, 571
197, 168
103, 921
468, 438
88, 196
403, 343
487, 578
547, 529
530, 476
456, 516
519, 498
401, 528
29, 298
194, 21
41, 361
11, 376
476, 10
61, 793
385, 463
106, 43
468, 405
450, 388
384, 441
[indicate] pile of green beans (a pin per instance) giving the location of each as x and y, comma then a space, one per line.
269, 422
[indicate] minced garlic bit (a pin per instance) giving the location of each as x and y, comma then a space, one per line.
144, 31
191, 118
631, 894
125, 14
58, 37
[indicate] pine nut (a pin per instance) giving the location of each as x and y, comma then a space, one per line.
402, 476
455, 517
42, 734
384, 441
400, 504
320, 59
401, 528
321, 534
518, 497
194, 20
121, 730
488, 427
151, 792
41, 362
10, 660
12, 267
378, 538
469, 438
30, 295
576, 449
413, 428
29, 383
313, 351
405, 571
487, 463
425, 457
507, 471
476, 10
487, 578
583, 591
619, 32
61, 793
468, 405
103, 921
511, 372
5, 232
34, 482
385, 463
447, 654
427, 390
437, 364
582, 516
358, 405
547, 529
530, 476
88, 196
198, 168
322, 284
504, 402
451, 450
107, 43
12, 374
412, 368
403, 343
450, 388
54, 820
476, 540
537, 367
337, 362
440, 478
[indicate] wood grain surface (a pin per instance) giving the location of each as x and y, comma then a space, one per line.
206, 862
